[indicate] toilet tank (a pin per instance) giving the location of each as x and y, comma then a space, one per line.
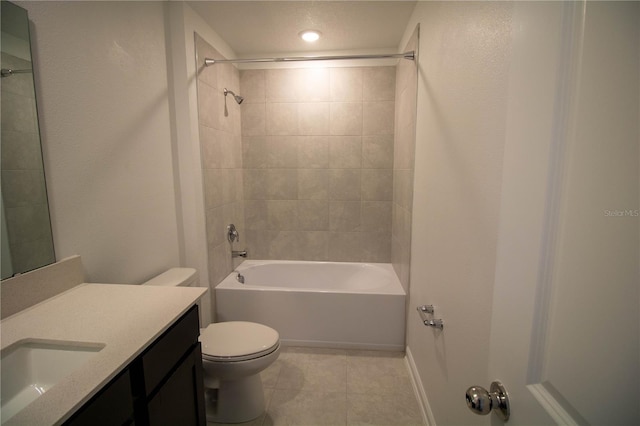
176, 277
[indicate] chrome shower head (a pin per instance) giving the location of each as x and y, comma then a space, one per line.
238, 98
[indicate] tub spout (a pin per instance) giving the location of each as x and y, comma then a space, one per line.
238, 253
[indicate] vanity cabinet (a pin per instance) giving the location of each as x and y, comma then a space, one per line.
162, 386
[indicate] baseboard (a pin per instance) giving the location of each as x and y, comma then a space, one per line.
418, 389
341, 345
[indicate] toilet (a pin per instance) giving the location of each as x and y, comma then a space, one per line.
233, 355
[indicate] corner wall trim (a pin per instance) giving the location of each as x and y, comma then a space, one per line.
418, 389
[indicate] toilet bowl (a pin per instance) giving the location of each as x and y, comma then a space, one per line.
233, 355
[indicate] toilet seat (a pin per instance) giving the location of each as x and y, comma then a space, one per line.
237, 341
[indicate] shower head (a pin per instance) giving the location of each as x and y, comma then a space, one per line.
238, 98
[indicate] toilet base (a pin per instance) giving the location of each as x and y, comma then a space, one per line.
235, 401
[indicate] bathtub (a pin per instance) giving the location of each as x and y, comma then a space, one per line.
324, 304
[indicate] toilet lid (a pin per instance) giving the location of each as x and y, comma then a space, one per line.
237, 340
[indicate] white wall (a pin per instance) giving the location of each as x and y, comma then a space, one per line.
104, 109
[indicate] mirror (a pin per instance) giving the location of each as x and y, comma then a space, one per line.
27, 242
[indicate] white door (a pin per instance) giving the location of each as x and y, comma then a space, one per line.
566, 320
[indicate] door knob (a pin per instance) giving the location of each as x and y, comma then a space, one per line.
482, 402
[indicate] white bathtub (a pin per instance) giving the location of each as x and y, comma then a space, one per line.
326, 304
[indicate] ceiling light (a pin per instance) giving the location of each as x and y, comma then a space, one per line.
310, 35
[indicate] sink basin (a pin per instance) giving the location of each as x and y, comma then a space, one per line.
31, 367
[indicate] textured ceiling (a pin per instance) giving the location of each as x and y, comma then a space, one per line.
252, 28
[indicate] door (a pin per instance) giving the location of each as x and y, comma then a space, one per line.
566, 323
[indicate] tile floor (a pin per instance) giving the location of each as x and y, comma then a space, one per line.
317, 386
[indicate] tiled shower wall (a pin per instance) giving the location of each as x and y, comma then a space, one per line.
318, 162
403, 162
221, 150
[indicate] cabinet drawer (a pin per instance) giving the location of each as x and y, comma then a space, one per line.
163, 355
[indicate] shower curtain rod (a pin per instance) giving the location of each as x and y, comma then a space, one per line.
407, 55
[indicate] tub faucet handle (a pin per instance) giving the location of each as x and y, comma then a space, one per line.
232, 233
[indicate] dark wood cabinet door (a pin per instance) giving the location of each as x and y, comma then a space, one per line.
180, 400
113, 405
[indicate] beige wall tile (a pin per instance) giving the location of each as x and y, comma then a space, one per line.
346, 84
207, 74
255, 184
211, 148
284, 245
255, 215
345, 246
226, 77
377, 184
313, 118
376, 246
213, 190
344, 215
345, 118
313, 245
379, 83
281, 85
405, 147
253, 119
345, 152
378, 118
282, 119
313, 152
313, 85
254, 152
313, 215
228, 113
376, 216
404, 155
227, 144
219, 262
208, 114
282, 215
258, 243
377, 152
222, 157
403, 188
313, 184
282, 151
344, 184
253, 86
281, 184
215, 225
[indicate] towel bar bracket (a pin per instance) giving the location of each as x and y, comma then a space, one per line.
424, 311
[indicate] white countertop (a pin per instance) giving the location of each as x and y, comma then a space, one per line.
125, 318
